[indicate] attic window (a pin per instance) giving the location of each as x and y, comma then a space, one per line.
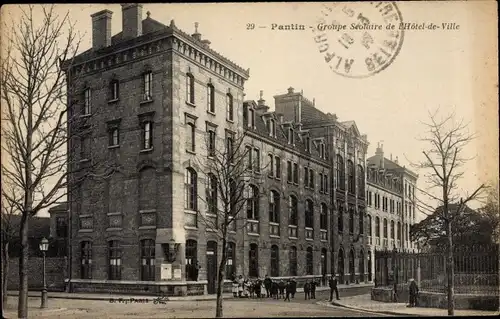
271, 125
322, 150
291, 139
308, 144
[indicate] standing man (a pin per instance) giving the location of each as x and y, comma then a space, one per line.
413, 292
267, 285
288, 290
313, 289
333, 287
307, 291
294, 288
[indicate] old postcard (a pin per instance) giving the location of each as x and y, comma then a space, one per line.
250, 159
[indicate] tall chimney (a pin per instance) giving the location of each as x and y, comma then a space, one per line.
101, 29
131, 20
379, 152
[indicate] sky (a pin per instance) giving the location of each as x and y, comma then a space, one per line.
453, 70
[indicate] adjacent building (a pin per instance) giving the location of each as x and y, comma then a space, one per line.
391, 205
147, 106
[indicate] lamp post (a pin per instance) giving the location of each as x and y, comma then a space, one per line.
44, 246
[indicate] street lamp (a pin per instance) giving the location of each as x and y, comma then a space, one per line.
44, 246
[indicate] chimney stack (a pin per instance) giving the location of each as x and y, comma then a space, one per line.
290, 90
261, 101
196, 34
131, 20
101, 29
380, 154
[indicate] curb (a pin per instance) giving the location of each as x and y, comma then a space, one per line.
385, 312
173, 298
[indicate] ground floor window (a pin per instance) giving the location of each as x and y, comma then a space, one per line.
191, 260
147, 260
275, 261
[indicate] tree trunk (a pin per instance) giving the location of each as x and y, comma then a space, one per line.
22, 306
220, 278
5, 273
450, 271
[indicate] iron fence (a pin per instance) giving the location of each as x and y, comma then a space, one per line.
475, 269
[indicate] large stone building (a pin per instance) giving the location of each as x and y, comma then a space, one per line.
391, 205
144, 103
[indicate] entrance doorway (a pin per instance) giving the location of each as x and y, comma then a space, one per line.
212, 267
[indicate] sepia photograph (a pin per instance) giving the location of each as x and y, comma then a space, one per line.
245, 160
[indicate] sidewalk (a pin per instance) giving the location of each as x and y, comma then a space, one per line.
364, 303
108, 296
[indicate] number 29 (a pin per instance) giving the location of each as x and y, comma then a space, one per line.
250, 26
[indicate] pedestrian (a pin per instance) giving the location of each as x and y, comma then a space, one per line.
275, 290
307, 291
267, 285
235, 287
333, 287
294, 288
281, 286
413, 292
246, 288
258, 285
313, 289
240, 286
288, 289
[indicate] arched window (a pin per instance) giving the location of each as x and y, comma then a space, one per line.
377, 226
147, 260
275, 261
369, 225
292, 259
309, 261
253, 258
191, 260
253, 203
231, 256
340, 211
114, 260
274, 204
340, 266
292, 210
361, 220
323, 220
191, 189
340, 173
212, 194
385, 228
351, 187
361, 181
86, 260
351, 266
399, 230
309, 214
351, 220
392, 229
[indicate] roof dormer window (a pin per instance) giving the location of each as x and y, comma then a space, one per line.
272, 127
308, 144
291, 139
322, 151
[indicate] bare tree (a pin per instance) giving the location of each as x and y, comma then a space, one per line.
443, 163
228, 172
35, 102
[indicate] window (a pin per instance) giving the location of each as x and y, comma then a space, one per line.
229, 107
350, 182
211, 141
340, 173
306, 177
309, 214
191, 252
392, 229
274, 206
190, 133
61, 227
231, 256
148, 260
114, 87
291, 139
190, 88
289, 171
377, 226
322, 153
84, 148
361, 181
191, 188
361, 221
271, 165
147, 135
277, 167
275, 261
325, 183
321, 184
114, 137
212, 194
311, 179
86, 260
292, 210
229, 147
308, 144
256, 154
253, 203
115, 260
87, 102
385, 228
148, 86
323, 221
309, 261
399, 231
369, 225
292, 259
340, 223
253, 258
210, 98
271, 126
351, 220
295, 173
